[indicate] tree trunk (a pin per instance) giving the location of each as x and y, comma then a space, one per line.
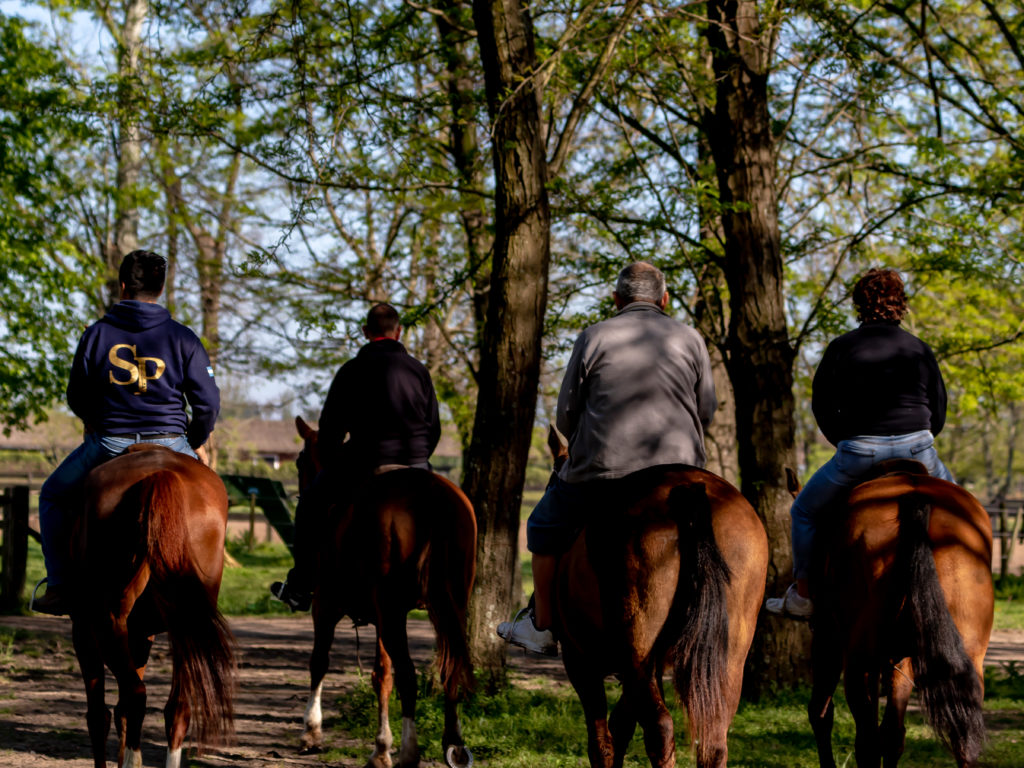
511, 350
759, 355
129, 142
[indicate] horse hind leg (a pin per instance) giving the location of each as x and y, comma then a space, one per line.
177, 714
861, 684
456, 753
383, 683
395, 642
826, 663
590, 690
655, 719
893, 732
97, 715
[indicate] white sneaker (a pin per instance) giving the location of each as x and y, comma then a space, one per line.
791, 605
521, 631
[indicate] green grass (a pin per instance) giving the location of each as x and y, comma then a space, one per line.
771, 734
244, 591
1009, 602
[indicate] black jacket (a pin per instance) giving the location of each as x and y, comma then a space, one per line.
384, 399
137, 369
878, 380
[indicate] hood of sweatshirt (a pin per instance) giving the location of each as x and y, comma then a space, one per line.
136, 315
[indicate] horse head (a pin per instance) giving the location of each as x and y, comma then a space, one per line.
308, 460
559, 449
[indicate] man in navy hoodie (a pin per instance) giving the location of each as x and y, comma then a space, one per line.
134, 374
384, 401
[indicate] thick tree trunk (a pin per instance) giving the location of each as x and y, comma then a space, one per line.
511, 350
759, 355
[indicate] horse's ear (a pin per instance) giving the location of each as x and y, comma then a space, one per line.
304, 429
792, 482
555, 443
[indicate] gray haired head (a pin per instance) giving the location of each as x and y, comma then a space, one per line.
640, 281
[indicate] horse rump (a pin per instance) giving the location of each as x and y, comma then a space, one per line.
701, 652
201, 644
943, 672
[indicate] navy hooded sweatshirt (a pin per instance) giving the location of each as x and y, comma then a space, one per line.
136, 369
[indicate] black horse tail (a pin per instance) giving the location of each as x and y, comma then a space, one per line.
450, 573
202, 647
943, 672
701, 653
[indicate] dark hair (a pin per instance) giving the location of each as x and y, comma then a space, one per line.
143, 274
382, 320
640, 281
879, 296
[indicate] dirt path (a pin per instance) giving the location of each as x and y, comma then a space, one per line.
42, 703
42, 700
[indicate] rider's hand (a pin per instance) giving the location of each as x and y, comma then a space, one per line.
203, 454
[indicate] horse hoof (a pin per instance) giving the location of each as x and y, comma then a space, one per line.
310, 742
452, 754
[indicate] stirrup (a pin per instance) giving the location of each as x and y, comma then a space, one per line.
32, 597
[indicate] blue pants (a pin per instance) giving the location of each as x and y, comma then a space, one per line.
60, 496
830, 484
558, 516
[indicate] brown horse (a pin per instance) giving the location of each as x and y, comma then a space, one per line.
407, 540
148, 559
905, 599
671, 570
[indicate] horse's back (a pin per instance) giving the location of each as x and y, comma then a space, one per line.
107, 485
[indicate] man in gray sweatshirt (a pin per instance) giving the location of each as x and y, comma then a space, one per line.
637, 392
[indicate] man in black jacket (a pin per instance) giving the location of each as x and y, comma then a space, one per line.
877, 394
134, 373
384, 401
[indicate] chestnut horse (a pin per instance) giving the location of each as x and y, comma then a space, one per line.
671, 570
904, 599
407, 540
148, 559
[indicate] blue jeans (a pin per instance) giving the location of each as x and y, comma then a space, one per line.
830, 484
60, 496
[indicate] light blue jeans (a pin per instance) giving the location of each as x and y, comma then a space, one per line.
830, 484
60, 496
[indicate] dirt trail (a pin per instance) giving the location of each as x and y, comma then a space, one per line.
42, 702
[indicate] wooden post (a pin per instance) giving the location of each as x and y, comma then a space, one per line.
15, 547
252, 520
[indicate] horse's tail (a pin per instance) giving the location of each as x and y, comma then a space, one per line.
701, 653
450, 572
202, 647
943, 672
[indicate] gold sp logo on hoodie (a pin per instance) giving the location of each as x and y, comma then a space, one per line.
139, 371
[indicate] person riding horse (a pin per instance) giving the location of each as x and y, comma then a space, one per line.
384, 400
638, 392
134, 373
878, 394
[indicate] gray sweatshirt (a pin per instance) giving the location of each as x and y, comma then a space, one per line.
637, 392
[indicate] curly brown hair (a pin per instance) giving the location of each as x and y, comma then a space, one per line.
879, 296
